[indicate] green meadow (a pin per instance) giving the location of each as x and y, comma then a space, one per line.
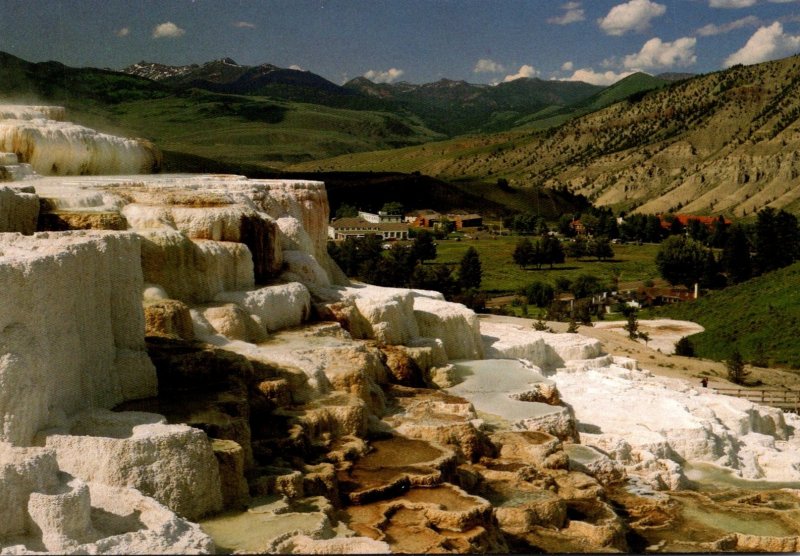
501, 276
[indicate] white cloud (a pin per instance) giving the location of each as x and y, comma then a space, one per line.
124, 32
167, 30
387, 76
732, 3
572, 14
485, 65
588, 75
631, 16
713, 29
567, 66
658, 54
767, 43
524, 71
244, 25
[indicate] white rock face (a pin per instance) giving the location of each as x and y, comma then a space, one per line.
546, 350
42, 506
71, 327
12, 170
398, 316
275, 307
22, 471
32, 112
195, 271
383, 314
303, 267
452, 323
60, 148
648, 420
272, 217
19, 209
172, 463
231, 321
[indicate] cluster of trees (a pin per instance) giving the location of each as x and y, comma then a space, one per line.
548, 250
392, 207
772, 242
597, 221
597, 246
526, 223
542, 250
402, 266
542, 294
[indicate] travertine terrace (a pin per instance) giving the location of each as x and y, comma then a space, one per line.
177, 349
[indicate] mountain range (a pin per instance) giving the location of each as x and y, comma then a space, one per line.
445, 106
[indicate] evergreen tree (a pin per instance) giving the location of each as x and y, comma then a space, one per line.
469, 270
585, 285
565, 226
346, 211
563, 284
537, 253
523, 253
653, 232
719, 233
552, 252
600, 247
578, 248
697, 230
736, 370
711, 277
777, 239
675, 226
423, 246
392, 207
538, 293
736, 262
684, 347
590, 223
632, 326
437, 277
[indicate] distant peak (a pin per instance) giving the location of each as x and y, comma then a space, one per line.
229, 61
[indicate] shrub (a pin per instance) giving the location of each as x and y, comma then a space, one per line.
684, 347
736, 370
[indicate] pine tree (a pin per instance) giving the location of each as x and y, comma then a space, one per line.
684, 347
632, 326
552, 252
423, 246
469, 270
735, 366
523, 252
736, 260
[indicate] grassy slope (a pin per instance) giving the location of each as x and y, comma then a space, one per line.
234, 129
259, 130
763, 310
502, 276
638, 83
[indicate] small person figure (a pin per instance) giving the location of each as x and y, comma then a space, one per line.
704, 382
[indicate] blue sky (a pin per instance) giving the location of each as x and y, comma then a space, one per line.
480, 41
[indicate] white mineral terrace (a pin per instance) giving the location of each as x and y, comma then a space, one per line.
54, 147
